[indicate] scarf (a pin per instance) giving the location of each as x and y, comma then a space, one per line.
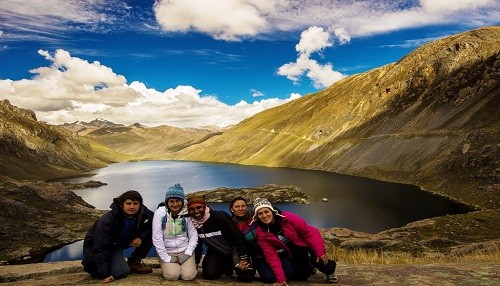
199, 223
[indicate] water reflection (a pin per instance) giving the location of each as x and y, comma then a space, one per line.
356, 203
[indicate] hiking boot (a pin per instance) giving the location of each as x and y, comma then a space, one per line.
331, 278
136, 266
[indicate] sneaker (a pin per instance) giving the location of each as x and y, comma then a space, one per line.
332, 278
136, 266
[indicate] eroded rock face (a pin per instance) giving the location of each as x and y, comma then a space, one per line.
272, 192
37, 217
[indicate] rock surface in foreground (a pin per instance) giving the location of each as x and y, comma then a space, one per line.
71, 273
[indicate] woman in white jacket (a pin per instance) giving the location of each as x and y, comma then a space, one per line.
175, 237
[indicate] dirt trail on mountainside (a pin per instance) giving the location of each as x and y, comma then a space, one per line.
442, 274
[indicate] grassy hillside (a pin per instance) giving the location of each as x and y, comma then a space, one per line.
150, 143
33, 150
430, 119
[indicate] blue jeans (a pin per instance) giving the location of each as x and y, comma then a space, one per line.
119, 267
266, 274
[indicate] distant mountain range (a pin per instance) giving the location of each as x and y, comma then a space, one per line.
140, 141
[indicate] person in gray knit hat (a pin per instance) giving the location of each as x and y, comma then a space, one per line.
293, 249
175, 237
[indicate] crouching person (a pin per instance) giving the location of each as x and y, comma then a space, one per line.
175, 237
127, 224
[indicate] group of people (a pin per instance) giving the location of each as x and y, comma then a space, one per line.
278, 245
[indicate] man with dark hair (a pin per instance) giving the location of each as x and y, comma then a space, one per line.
127, 224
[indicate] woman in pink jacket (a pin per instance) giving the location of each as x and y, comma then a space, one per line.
293, 249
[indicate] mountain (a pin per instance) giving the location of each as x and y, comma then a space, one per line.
82, 128
150, 142
30, 149
430, 119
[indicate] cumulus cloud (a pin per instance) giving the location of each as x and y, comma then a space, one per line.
233, 20
226, 20
72, 89
312, 40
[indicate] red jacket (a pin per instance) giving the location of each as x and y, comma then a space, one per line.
298, 232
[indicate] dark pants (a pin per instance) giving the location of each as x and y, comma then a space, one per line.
142, 251
215, 265
266, 274
119, 267
298, 268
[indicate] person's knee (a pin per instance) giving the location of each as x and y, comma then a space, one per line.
120, 270
208, 275
189, 276
170, 276
119, 273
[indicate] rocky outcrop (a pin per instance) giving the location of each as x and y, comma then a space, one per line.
440, 236
38, 217
272, 192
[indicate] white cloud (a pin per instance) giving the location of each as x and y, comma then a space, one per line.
256, 93
239, 19
314, 39
446, 6
232, 20
226, 20
72, 89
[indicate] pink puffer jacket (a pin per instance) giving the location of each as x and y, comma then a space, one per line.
298, 232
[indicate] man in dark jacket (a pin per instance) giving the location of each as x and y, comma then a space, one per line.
127, 224
219, 234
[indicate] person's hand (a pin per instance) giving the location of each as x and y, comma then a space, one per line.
136, 242
108, 279
243, 264
323, 259
183, 258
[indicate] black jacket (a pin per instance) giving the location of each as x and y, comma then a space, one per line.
220, 234
106, 234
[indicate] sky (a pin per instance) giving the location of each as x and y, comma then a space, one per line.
205, 62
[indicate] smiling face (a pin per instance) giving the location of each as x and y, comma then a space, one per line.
197, 211
239, 208
265, 215
174, 205
131, 207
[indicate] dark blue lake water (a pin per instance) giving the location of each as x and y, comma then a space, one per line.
356, 203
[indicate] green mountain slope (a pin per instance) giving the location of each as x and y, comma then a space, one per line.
430, 119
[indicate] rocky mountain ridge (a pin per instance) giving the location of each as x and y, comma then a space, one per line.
431, 120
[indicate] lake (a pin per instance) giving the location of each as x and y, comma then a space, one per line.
353, 202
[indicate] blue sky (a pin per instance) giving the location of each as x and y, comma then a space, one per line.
204, 62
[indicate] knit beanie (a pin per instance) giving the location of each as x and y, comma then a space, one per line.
196, 201
259, 203
175, 192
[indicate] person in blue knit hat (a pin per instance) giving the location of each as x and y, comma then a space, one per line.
175, 237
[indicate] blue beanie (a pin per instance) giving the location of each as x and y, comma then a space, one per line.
175, 192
